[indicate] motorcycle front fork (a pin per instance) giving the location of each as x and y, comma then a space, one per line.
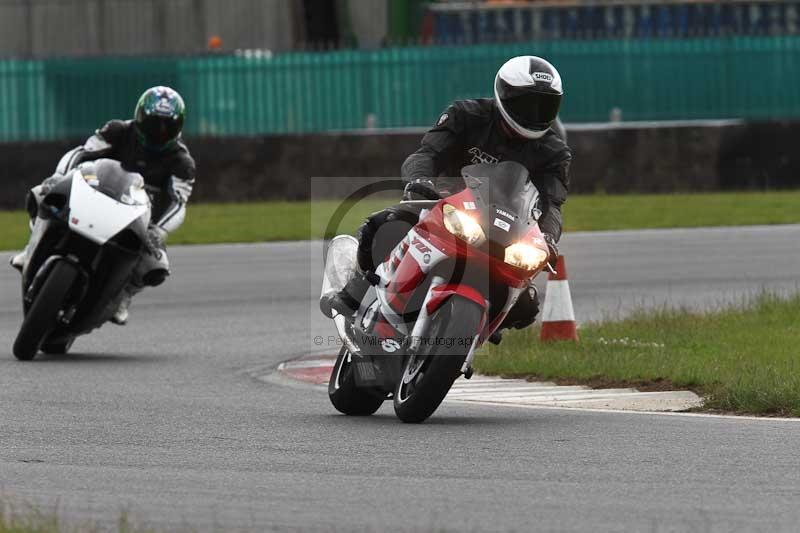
422, 325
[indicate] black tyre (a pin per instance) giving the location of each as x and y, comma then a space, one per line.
428, 376
342, 390
42, 317
58, 347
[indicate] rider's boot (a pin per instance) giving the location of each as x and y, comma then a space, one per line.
521, 315
496, 337
152, 271
395, 223
120, 316
346, 301
18, 261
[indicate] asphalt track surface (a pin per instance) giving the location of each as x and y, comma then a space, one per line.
163, 419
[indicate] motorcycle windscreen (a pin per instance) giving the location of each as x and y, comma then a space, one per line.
108, 177
97, 216
340, 263
505, 185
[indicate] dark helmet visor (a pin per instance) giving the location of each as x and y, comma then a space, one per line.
533, 110
159, 130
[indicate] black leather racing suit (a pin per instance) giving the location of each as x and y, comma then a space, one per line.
468, 132
169, 174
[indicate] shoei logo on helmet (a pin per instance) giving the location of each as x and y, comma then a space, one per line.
543, 76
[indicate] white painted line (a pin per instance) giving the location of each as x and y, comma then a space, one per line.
505, 390
498, 392
547, 398
523, 393
631, 412
504, 382
482, 380
547, 391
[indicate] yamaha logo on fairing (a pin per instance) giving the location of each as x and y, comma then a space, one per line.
505, 214
543, 76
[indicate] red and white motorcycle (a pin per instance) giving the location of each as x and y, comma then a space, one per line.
442, 291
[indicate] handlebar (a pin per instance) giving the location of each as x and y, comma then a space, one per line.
423, 191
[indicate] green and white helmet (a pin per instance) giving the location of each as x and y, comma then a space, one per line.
159, 117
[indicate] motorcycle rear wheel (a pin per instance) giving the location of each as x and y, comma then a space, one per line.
42, 317
428, 376
345, 396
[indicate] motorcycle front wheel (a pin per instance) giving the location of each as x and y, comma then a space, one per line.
42, 317
345, 396
428, 375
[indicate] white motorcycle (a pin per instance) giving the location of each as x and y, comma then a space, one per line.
90, 234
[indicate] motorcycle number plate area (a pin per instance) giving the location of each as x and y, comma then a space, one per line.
96, 216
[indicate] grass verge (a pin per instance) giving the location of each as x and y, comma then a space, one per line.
27, 518
742, 359
283, 221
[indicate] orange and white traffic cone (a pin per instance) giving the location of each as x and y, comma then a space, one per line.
558, 317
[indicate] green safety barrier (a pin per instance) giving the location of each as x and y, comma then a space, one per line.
257, 93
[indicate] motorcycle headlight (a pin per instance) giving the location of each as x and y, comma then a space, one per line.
525, 256
463, 226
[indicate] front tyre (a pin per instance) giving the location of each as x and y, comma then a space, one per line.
342, 390
58, 347
428, 376
42, 317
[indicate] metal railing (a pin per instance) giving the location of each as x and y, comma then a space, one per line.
46, 28
256, 93
482, 22
79, 28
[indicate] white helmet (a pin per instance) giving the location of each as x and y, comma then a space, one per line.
528, 92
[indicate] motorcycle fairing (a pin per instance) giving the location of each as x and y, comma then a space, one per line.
74, 224
95, 215
431, 265
440, 294
429, 244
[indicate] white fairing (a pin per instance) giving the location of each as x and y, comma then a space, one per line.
99, 217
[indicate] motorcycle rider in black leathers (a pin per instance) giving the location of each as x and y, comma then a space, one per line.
151, 145
516, 125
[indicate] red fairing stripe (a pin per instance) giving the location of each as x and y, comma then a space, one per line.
384, 330
441, 293
406, 278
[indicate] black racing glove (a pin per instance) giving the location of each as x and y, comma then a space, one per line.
552, 247
420, 189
